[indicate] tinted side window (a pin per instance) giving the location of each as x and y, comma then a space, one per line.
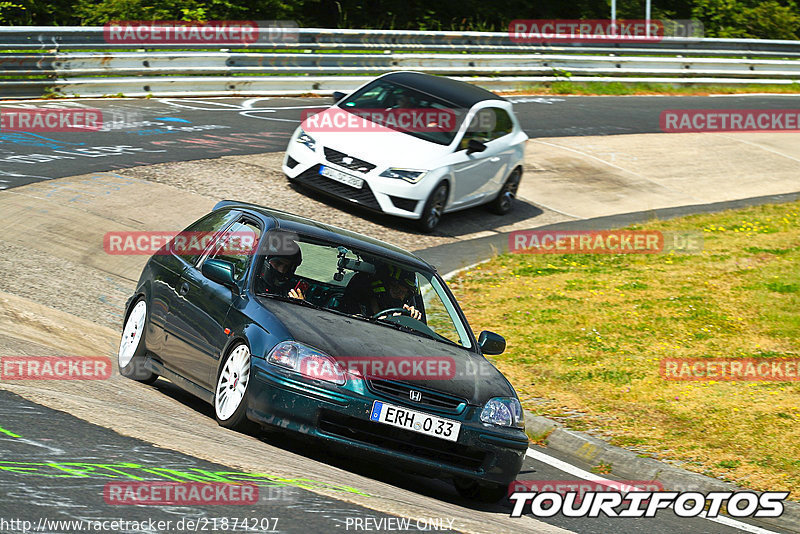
487, 125
237, 246
480, 127
202, 231
502, 123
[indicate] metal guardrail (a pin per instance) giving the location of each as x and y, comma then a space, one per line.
226, 63
304, 63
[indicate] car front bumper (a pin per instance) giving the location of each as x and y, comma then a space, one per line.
388, 195
341, 415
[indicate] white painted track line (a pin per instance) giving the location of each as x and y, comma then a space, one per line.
591, 477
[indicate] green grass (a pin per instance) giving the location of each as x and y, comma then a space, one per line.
586, 334
638, 88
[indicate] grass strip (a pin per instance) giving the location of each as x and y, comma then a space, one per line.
587, 332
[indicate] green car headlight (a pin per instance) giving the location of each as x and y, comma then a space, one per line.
304, 139
503, 411
409, 175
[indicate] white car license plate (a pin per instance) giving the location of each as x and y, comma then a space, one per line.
342, 177
417, 421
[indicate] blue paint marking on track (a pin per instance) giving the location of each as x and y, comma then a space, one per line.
31, 139
172, 119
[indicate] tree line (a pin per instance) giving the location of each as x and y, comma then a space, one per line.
765, 19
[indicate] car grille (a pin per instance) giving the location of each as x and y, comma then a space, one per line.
334, 156
430, 399
401, 440
313, 179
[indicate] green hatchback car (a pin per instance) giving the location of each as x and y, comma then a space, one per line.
319, 330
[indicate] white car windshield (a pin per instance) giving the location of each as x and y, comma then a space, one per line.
381, 96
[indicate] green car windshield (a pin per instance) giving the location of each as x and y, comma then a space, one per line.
362, 285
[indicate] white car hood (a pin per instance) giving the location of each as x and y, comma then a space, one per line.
382, 147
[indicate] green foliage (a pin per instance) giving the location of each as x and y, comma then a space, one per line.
6, 9
91, 12
748, 18
773, 19
770, 20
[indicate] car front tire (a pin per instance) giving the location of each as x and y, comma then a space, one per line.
434, 209
232, 392
504, 202
131, 355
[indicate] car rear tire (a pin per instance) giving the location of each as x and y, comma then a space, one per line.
232, 392
486, 492
504, 202
434, 209
131, 355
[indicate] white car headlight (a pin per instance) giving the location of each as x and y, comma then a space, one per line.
308, 361
409, 175
304, 139
503, 411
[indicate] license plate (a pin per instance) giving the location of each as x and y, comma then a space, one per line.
342, 177
423, 423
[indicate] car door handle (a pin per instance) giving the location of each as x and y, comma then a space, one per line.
494, 159
184, 289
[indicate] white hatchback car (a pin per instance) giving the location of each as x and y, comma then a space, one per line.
412, 145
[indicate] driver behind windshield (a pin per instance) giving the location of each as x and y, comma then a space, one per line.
391, 287
277, 273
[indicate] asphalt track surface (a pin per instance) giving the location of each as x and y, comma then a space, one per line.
143, 132
71, 446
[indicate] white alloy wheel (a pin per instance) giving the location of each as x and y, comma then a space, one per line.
132, 334
232, 383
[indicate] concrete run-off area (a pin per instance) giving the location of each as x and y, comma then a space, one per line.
60, 293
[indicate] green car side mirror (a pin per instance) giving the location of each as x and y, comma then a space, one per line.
219, 271
491, 343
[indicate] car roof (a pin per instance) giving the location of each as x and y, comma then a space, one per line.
460, 93
327, 232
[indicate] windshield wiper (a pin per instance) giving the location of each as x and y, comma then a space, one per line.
302, 302
404, 328
395, 325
